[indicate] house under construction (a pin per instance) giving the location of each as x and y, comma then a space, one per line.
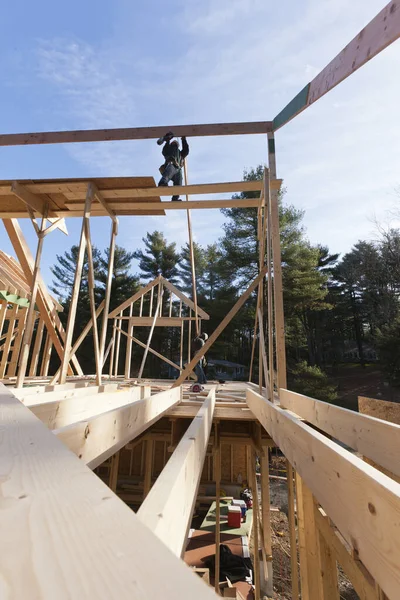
100, 474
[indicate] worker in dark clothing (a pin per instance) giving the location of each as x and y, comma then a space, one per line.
197, 345
174, 159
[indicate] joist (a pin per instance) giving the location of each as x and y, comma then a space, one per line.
134, 133
148, 207
168, 508
374, 438
58, 395
97, 438
60, 413
228, 414
379, 33
361, 501
55, 508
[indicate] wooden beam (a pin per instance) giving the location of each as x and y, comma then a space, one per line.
62, 394
148, 207
76, 287
97, 438
217, 475
266, 518
58, 510
113, 481
191, 252
362, 502
379, 33
168, 508
134, 133
31, 200
327, 565
220, 328
374, 438
60, 413
256, 517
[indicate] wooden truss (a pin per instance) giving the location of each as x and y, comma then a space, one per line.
58, 517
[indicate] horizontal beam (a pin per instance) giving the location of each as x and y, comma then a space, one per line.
97, 438
61, 413
374, 438
382, 31
363, 503
31, 200
133, 133
192, 204
222, 413
57, 395
167, 509
67, 532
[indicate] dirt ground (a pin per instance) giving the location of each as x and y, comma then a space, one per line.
280, 540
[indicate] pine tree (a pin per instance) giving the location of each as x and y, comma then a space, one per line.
158, 258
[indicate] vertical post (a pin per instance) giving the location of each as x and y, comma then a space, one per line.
148, 467
75, 290
191, 250
181, 345
118, 344
12, 367
36, 348
266, 517
113, 347
292, 532
44, 369
327, 568
7, 343
114, 472
256, 514
151, 302
277, 270
310, 576
270, 320
111, 254
189, 336
27, 338
128, 355
91, 282
217, 472
3, 311
159, 300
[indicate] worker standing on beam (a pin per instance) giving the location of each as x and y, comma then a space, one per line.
174, 159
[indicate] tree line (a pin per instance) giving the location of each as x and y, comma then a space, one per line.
336, 308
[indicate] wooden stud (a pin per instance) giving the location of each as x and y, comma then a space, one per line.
217, 475
191, 251
107, 297
128, 356
75, 290
138, 295
277, 266
219, 329
148, 469
118, 345
114, 472
15, 350
292, 532
327, 566
151, 302
266, 515
36, 348
8, 340
255, 525
146, 351
170, 286
270, 319
44, 369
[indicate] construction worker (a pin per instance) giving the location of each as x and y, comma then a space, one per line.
197, 345
174, 159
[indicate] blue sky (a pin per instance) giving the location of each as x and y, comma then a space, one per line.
78, 65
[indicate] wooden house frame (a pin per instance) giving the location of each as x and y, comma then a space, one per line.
65, 533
